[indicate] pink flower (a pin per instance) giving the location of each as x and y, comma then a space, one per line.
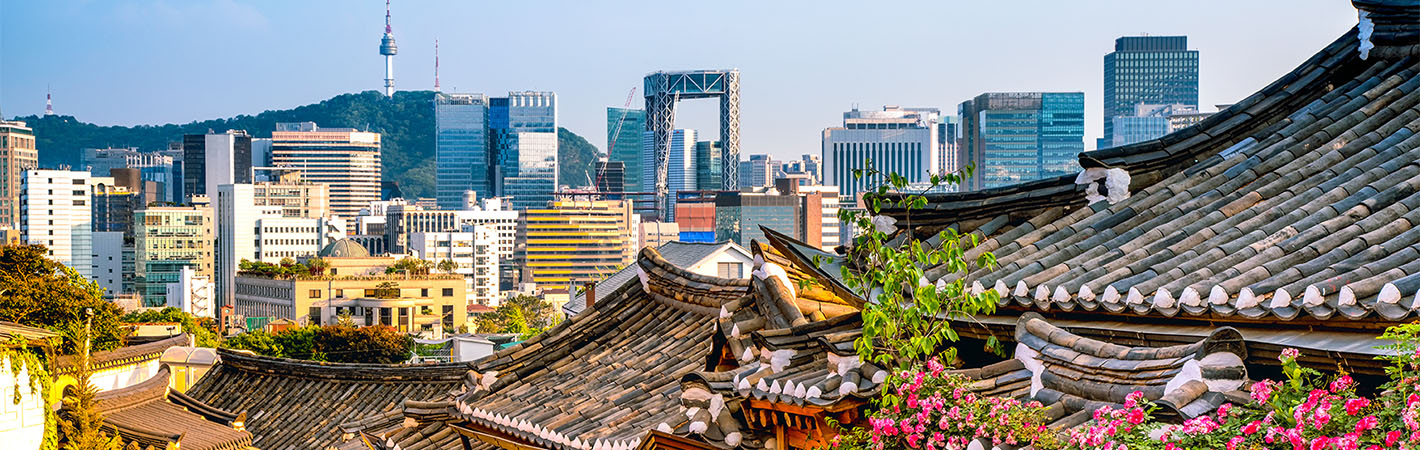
1391, 438
1223, 410
1367, 423
1132, 399
1289, 354
1136, 416
1233, 443
1252, 428
1262, 391
1342, 383
1354, 406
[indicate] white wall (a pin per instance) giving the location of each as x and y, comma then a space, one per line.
108, 261
21, 425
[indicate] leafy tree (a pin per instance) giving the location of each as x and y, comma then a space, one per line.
40, 292
334, 343
524, 315
447, 266
202, 329
81, 422
317, 266
909, 320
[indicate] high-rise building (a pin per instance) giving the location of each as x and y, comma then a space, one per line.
214, 159
809, 166
107, 262
346, 160
681, 172
524, 130
707, 166
1148, 122
296, 197
948, 135
167, 239
1014, 137
56, 212
759, 172
17, 154
278, 238
461, 148
574, 242
236, 219
611, 177
895, 140
624, 143
1158, 70
788, 208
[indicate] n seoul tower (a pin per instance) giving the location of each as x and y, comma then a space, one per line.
388, 49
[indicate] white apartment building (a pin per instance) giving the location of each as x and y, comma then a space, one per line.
192, 293
56, 212
473, 253
832, 229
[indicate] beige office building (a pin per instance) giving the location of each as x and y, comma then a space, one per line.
17, 154
345, 160
574, 242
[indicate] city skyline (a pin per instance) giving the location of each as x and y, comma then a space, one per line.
785, 108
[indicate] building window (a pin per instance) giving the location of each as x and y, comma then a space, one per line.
448, 292
424, 292
731, 269
315, 293
315, 315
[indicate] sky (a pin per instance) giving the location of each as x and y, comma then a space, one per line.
802, 63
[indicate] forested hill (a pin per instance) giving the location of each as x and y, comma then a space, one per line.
405, 122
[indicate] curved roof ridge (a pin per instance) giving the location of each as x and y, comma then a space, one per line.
318, 370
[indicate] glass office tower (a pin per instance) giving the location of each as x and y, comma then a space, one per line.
524, 127
626, 146
461, 147
1157, 70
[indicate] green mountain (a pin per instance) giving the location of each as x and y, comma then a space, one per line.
405, 122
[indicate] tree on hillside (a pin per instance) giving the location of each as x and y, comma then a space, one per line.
524, 315
39, 292
377, 344
576, 159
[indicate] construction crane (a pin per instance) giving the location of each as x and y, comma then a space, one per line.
611, 142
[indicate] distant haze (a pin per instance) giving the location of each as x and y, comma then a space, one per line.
803, 63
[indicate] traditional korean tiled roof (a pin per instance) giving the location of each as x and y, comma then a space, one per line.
1299, 202
131, 354
414, 425
602, 378
1074, 375
149, 414
293, 404
9, 330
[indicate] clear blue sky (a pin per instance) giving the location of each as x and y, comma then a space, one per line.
802, 62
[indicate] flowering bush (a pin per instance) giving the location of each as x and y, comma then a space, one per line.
934, 410
1305, 412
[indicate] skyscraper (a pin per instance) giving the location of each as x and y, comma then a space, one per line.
707, 166
624, 144
524, 129
461, 148
346, 160
896, 140
681, 172
1014, 137
1158, 70
214, 159
17, 154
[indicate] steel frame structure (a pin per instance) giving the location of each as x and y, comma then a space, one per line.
663, 90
